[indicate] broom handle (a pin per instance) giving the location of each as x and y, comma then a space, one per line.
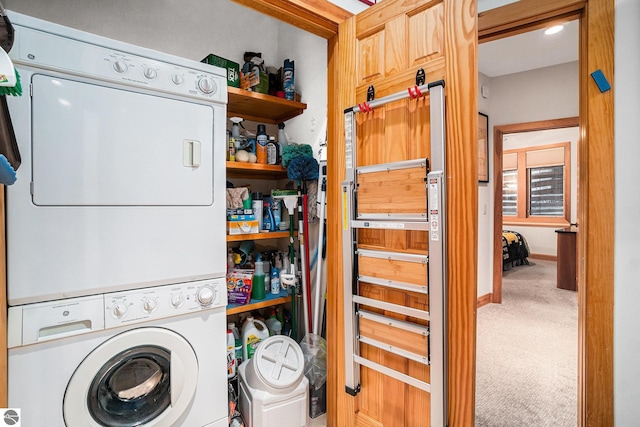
307, 270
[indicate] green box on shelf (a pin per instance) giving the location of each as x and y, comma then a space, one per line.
233, 68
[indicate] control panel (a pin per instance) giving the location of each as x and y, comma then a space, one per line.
68, 55
142, 305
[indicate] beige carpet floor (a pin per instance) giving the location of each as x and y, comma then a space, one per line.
527, 352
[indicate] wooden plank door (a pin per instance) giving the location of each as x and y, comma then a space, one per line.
384, 47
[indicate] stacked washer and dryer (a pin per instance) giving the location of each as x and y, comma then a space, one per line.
115, 234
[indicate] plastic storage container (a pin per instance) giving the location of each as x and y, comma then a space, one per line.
273, 388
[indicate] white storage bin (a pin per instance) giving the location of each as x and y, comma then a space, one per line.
273, 388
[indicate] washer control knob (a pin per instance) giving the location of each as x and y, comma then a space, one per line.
149, 305
207, 85
206, 295
119, 310
177, 300
150, 73
177, 79
120, 67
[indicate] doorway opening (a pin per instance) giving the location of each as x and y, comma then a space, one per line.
534, 99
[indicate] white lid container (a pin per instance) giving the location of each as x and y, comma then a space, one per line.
277, 365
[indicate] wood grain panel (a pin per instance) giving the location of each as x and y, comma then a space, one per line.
319, 17
396, 133
342, 76
426, 35
390, 335
387, 269
370, 133
388, 10
371, 57
416, 242
433, 69
523, 13
395, 52
597, 187
393, 191
462, 204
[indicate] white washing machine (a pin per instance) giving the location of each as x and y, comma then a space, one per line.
147, 357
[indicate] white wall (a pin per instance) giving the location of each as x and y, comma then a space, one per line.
627, 206
485, 203
193, 29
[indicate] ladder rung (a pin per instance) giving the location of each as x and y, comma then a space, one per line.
383, 305
381, 167
396, 256
396, 323
392, 225
420, 289
392, 373
395, 350
400, 217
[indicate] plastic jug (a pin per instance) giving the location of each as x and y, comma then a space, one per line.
237, 342
231, 354
253, 331
257, 287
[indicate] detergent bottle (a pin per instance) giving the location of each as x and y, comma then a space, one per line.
253, 331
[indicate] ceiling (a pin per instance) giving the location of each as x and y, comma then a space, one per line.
528, 51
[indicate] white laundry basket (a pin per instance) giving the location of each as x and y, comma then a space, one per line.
273, 388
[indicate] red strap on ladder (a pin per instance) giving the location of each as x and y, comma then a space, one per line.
365, 107
414, 92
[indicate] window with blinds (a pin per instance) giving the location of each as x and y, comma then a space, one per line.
544, 174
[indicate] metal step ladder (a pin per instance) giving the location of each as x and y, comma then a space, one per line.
362, 190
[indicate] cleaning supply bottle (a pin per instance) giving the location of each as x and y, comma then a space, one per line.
282, 141
272, 151
231, 263
275, 280
288, 80
268, 220
237, 342
261, 144
253, 331
231, 355
273, 324
258, 206
257, 288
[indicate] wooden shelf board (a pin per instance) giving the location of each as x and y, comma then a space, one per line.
260, 107
271, 300
259, 236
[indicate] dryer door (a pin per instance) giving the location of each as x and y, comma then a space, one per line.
145, 376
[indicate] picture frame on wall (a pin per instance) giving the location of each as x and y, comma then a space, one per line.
483, 147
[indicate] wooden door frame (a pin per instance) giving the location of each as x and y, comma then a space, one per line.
595, 246
498, 135
596, 189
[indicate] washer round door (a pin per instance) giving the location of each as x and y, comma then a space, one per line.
142, 377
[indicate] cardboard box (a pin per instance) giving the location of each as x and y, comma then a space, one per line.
235, 228
233, 68
239, 284
257, 81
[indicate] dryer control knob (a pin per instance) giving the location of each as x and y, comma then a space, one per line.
177, 79
119, 310
149, 305
207, 86
206, 295
177, 300
120, 67
150, 73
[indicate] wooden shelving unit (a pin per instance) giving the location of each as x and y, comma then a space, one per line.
269, 301
262, 108
269, 109
255, 170
258, 236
